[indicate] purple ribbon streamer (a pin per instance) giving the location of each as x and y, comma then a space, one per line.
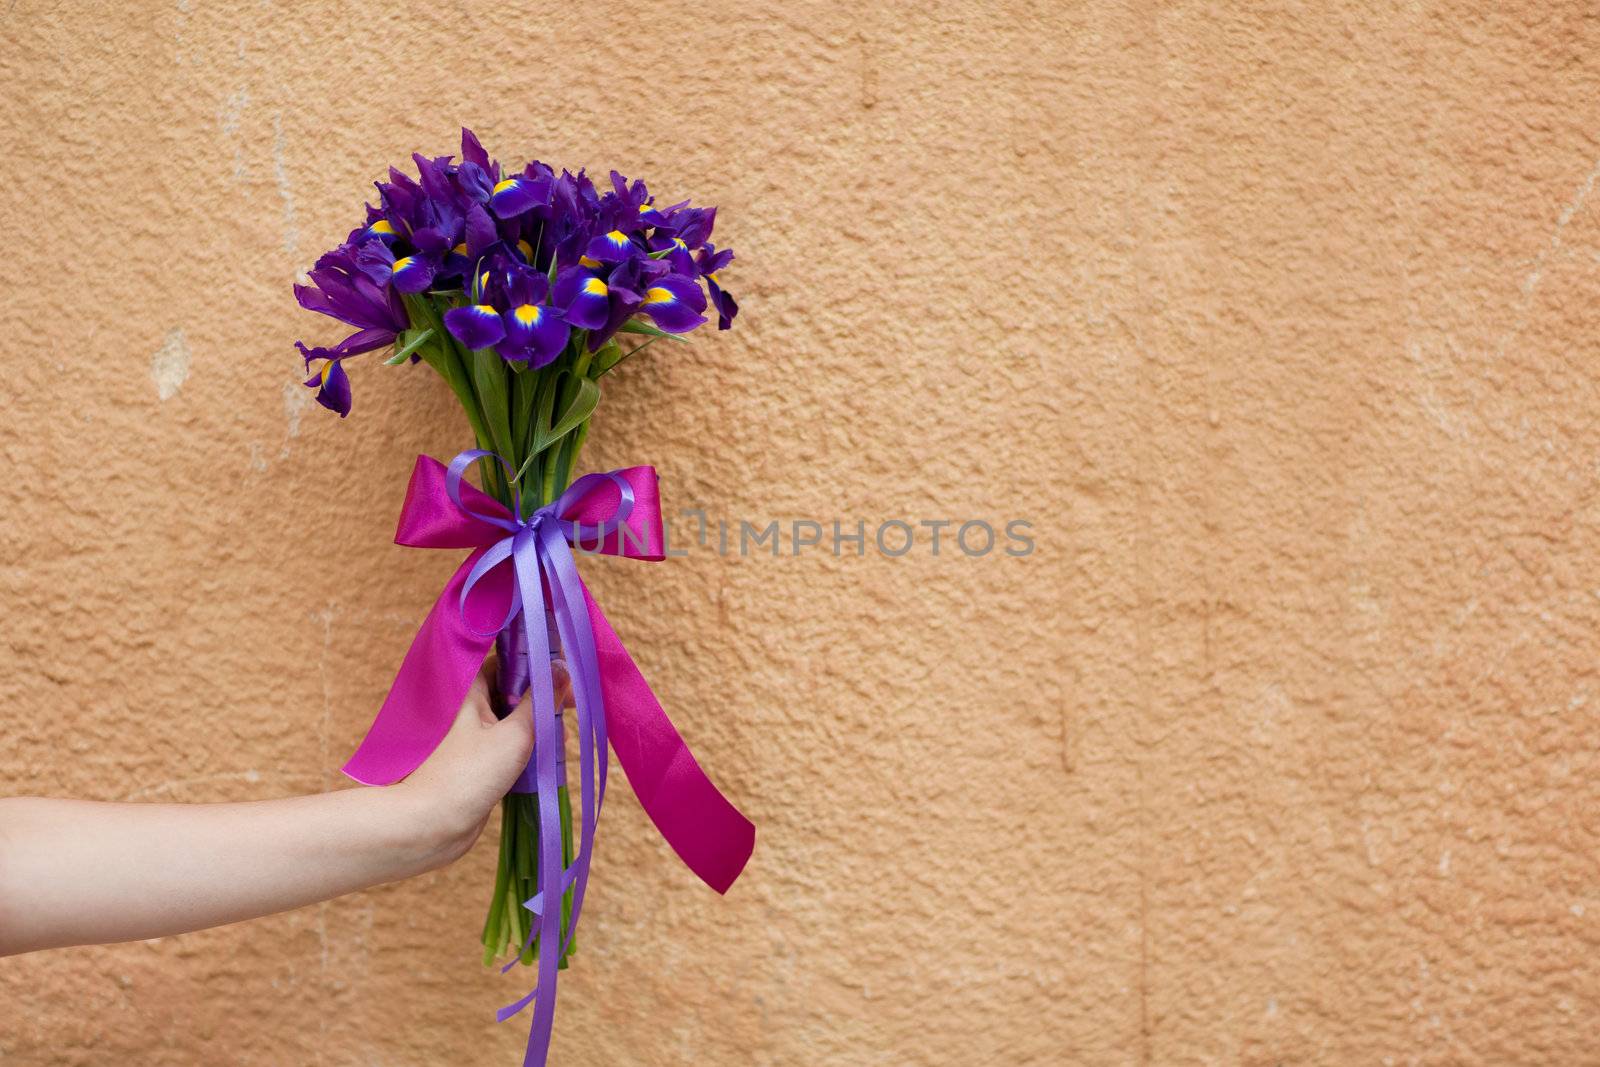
541, 558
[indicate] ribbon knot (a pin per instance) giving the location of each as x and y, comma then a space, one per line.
615, 513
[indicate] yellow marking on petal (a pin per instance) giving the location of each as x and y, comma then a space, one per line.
657, 295
526, 249
713, 278
381, 226
528, 314
460, 249
678, 241
617, 237
508, 183
483, 279
585, 261
485, 309
594, 287
327, 369
401, 264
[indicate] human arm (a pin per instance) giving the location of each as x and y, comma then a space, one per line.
78, 872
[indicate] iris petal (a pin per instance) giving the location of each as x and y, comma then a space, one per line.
513, 196
585, 297
535, 333
476, 325
723, 301
333, 386
613, 247
411, 274
383, 230
671, 315
675, 304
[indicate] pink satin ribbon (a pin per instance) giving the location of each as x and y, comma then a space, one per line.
441, 511
702, 826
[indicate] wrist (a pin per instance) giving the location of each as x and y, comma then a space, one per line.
433, 831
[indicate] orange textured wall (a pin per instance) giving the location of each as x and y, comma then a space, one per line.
1279, 325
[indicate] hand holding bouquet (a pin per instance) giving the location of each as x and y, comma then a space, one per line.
518, 290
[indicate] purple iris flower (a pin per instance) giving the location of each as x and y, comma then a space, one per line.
691, 225
378, 228
625, 207
671, 248
613, 246
407, 273
674, 302
472, 152
570, 217
536, 333
585, 297
341, 290
331, 381
475, 325
510, 197
625, 286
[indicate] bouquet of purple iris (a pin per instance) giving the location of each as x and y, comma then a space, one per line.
523, 290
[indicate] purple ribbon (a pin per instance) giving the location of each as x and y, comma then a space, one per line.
539, 548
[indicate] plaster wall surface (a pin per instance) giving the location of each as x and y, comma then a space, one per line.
1277, 324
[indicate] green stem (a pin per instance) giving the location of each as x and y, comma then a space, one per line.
445, 356
492, 939
526, 403
567, 856
570, 449
526, 831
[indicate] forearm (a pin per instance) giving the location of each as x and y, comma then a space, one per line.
79, 872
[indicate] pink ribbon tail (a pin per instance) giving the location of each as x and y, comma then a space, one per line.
433, 680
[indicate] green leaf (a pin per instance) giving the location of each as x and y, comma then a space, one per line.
611, 354
410, 341
580, 409
635, 326
524, 395
445, 358
544, 403
489, 381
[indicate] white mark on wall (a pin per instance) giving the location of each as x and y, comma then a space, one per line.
1536, 274
1531, 282
325, 726
231, 117
296, 399
280, 175
169, 367
1370, 838
182, 25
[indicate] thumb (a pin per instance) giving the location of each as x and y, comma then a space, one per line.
512, 742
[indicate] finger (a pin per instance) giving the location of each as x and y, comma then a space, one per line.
519, 722
561, 682
513, 737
